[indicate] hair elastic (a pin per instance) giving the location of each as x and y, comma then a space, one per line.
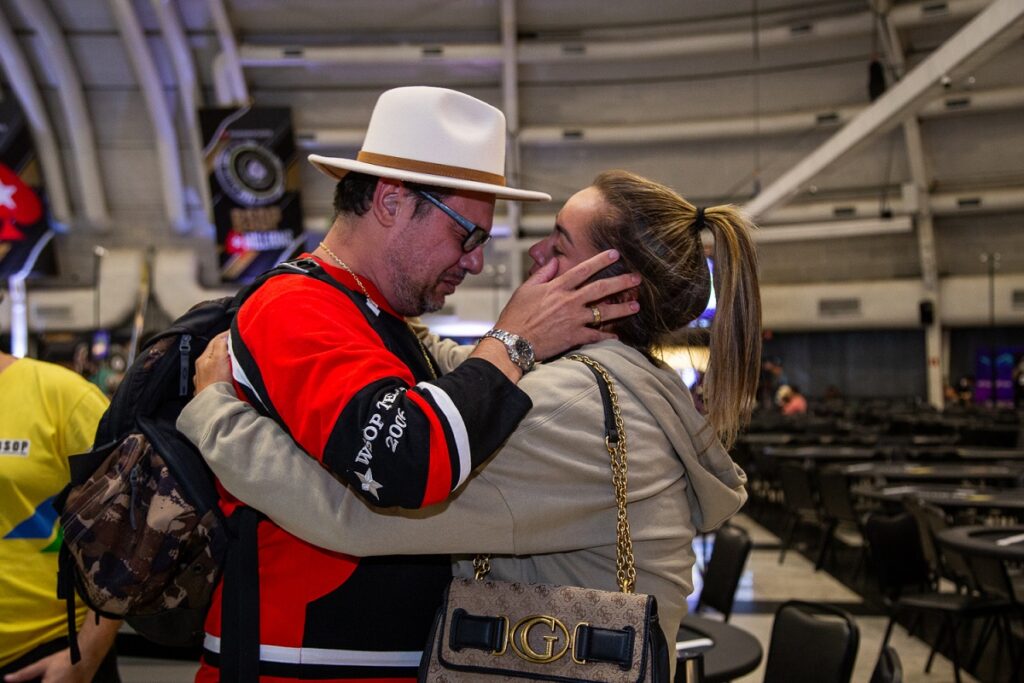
698, 222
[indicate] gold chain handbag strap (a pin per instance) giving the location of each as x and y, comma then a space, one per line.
615, 442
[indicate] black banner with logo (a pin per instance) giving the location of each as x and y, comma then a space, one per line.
24, 220
251, 158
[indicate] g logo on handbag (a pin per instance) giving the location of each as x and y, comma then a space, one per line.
531, 633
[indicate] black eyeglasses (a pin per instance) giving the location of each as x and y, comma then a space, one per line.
477, 235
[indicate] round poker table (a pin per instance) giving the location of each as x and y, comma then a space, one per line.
1003, 542
727, 651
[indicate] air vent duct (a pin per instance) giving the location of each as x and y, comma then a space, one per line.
833, 308
52, 314
934, 9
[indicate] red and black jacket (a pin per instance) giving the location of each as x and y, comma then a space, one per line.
353, 386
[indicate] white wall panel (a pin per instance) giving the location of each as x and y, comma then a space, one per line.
968, 300
878, 257
961, 240
957, 152
687, 99
891, 305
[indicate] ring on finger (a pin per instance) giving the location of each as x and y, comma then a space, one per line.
596, 312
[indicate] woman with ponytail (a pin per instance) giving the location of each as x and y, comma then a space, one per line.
543, 506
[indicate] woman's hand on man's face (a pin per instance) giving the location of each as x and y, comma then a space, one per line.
556, 312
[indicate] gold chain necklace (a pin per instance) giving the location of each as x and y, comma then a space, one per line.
369, 299
344, 266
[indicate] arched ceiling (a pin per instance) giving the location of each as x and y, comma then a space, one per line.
718, 98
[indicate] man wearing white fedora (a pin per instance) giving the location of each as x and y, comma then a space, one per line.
341, 369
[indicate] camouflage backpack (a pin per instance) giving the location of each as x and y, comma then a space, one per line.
145, 539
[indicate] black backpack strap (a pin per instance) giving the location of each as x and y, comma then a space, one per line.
66, 592
240, 604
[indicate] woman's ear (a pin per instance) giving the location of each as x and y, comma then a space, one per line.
625, 296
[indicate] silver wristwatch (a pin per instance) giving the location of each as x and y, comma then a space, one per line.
519, 350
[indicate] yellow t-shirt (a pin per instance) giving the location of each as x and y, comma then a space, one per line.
47, 413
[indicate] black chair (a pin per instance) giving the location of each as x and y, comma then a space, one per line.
976, 575
888, 668
839, 510
947, 565
895, 548
811, 642
801, 505
993, 580
724, 569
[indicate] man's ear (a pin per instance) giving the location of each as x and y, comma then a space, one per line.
386, 201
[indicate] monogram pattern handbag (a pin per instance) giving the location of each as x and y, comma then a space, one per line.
505, 631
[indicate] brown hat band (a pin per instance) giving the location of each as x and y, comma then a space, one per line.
433, 169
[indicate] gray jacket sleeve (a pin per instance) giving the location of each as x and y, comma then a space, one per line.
448, 354
548, 490
257, 461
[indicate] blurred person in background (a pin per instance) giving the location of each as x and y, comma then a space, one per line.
47, 413
790, 400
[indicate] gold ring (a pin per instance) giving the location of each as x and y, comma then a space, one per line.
597, 315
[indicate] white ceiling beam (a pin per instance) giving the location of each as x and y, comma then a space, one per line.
166, 137
510, 105
229, 57
19, 75
824, 118
984, 36
58, 58
189, 94
792, 33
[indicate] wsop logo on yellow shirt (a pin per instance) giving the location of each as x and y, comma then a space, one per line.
16, 447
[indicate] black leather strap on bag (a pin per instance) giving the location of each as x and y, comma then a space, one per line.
605, 645
610, 431
479, 632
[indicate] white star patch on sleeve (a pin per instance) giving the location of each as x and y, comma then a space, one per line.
368, 484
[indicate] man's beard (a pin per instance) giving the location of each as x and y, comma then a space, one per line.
413, 301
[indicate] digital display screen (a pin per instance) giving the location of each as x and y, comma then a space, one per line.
705, 318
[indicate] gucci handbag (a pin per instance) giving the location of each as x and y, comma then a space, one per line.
505, 631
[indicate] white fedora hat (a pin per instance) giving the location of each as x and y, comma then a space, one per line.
433, 136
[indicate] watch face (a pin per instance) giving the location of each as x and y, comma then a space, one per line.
525, 351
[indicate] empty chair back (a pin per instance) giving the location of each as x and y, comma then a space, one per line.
834, 490
991, 577
914, 506
797, 488
724, 569
811, 642
895, 547
888, 668
945, 561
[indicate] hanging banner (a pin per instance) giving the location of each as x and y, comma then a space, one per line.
24, 222
250, 157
